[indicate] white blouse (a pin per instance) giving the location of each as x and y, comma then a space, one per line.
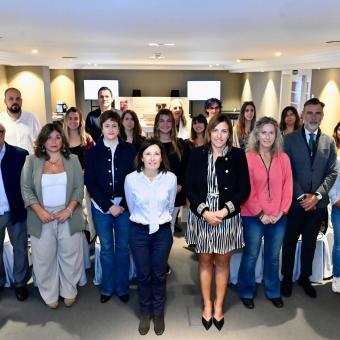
150, 202
54, 189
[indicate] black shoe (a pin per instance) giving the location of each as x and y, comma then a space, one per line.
104, 298
168, 269
159, 325
249, 303
21, 293
307, 286
286, 288
2, 288
218, 323
207, 323
124, 298
144, 324
277, 302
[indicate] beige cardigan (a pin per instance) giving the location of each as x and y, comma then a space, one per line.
32, 192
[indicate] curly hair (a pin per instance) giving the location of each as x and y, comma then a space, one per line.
253, 141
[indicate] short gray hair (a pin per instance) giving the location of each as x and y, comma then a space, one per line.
253, 142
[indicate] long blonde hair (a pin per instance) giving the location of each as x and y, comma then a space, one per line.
174, 140
84, 136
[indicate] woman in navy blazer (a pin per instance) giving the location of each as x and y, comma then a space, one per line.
107, 165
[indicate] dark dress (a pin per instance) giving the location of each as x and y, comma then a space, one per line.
178, 167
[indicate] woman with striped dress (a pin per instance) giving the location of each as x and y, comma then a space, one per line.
217, 183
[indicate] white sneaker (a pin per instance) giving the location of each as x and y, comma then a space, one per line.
336, 285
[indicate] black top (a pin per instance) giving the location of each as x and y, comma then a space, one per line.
92, 125
232, 177
178, 167
79, 151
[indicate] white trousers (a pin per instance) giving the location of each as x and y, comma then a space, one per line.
57, 261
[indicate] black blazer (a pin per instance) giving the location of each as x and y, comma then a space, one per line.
11, 166
98, 172
232, 178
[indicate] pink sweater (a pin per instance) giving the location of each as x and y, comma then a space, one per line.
280, 184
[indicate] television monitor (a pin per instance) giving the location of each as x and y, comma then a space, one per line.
202, 90
91, 88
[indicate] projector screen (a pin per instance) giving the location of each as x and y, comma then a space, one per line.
203, 90
91, 88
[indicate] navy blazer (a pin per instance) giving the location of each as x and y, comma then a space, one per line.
11, 166
232, 178
98, 172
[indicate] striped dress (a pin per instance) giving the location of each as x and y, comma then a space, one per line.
207, 238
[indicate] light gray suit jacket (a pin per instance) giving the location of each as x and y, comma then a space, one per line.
311, 174
32, 192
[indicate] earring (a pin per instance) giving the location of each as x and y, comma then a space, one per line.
43, 149
63, 149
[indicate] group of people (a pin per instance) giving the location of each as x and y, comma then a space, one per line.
259, 181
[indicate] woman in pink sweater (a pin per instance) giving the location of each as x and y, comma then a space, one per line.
264, 212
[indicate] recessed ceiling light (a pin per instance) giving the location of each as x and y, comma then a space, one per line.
217, 64
278, 54
154, 44
210, 65
333, 42
238, 60
35, 51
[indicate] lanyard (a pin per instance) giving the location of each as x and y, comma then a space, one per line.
267, 171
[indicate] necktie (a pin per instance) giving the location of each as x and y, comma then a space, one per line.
311, 143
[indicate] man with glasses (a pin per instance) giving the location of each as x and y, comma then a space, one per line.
22, 127
13, 214
313, 158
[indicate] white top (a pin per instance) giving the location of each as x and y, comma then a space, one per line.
4, 206
334, 193
54, 189
21, 132
184, 131
116, 200
150, 202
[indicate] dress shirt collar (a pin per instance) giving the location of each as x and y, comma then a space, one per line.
307, 134
113, 147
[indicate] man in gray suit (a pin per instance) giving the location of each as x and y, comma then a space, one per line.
313, 159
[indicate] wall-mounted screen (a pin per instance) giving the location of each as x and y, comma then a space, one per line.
202, 90
91, 88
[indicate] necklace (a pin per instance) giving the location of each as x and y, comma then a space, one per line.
53, 163
269, 198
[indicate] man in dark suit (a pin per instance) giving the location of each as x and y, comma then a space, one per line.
92, 125
313, 159
13, 214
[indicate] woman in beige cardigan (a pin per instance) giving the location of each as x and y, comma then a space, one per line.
52, 188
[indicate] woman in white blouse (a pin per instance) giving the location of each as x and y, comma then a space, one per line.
150, 194
52, 187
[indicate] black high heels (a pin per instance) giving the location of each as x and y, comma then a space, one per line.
218, 323
207, 323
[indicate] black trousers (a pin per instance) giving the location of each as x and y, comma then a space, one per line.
308, 225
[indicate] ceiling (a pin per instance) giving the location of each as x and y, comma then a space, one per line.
208, 35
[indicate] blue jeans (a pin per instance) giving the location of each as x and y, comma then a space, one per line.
336, 245
150, 253
114, 253
253, 231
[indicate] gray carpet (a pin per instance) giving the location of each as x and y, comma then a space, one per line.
301, 318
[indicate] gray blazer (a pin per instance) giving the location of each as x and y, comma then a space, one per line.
32, 192
311, 174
